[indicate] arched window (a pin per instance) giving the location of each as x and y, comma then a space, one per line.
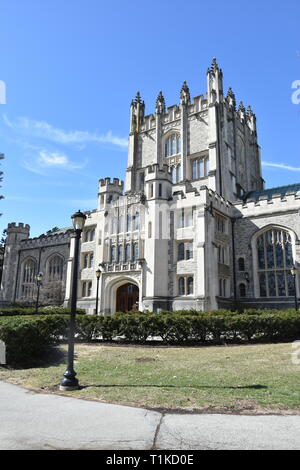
241, 264
242, 290
29, 270
172, 145
28, 278
181, 286
180, 251
55, 268
274, 255
190, 285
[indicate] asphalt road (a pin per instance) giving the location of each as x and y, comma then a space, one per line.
39, 421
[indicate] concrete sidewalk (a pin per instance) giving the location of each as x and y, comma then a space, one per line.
37, 421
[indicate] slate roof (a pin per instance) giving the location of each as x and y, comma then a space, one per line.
282, 190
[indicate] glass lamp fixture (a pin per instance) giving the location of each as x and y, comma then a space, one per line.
39, 277
98, 273
78, 220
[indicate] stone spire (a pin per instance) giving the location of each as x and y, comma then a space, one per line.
137, 113
251, 118
231, 98
214, 83
185, 97
160, 104
214, 68
242, 111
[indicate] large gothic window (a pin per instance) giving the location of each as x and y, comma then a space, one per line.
274, 262
28, 278
55, 268
172, 145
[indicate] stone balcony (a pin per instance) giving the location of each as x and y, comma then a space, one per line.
123, 266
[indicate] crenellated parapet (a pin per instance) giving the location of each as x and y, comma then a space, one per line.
214, 200
17, 232
45, 240
242, 115
108, 185
270, 201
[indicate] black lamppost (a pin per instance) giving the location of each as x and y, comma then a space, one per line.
294, 274
69, 382
39, 278
98, 274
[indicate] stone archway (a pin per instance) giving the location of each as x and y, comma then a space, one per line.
112, 294
127, 297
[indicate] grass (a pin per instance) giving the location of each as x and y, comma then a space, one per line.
246, 379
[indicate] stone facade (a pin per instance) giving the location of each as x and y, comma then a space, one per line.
191, 228
26, 257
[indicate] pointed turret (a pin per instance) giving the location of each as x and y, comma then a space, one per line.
160, 104
242, 111
137, 112
185, 97
215, 83
231, 98
251, 118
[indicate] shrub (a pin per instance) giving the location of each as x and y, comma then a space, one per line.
27, 338
51, 310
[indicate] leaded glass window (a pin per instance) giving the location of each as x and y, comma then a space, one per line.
172, 145
28, 278
55, 268
274, 262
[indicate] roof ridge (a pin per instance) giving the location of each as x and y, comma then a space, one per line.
280, 189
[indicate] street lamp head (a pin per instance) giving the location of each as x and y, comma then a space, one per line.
78, 220
294, 271
98, 273
39, 277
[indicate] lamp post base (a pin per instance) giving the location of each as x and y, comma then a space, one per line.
68, 388
69, 382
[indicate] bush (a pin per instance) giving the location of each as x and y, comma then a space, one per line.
27, 338
194, 327
51, 310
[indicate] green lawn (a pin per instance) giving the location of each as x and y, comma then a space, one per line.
247, 378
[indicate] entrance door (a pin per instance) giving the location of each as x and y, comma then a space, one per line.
127, 297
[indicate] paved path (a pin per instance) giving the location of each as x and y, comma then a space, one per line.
36, 421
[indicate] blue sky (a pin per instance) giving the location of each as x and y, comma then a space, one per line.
71, 69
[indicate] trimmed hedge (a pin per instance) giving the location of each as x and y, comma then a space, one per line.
16, 311
27, 338
175, 328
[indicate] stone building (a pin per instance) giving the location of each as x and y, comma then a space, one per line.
192, 227
26, 257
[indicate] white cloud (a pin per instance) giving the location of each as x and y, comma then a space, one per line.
44, 130
281, 166
56, 159
46, 159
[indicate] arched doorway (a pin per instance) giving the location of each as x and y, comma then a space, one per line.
127, 297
